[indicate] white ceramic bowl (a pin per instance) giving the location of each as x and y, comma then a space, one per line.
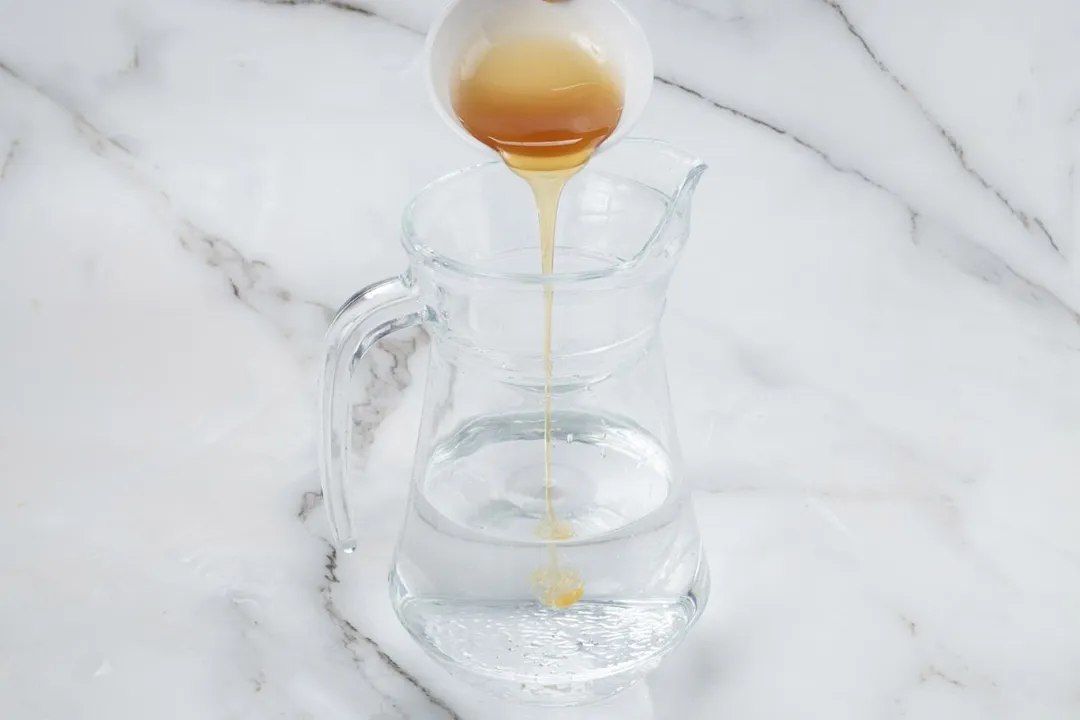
603, 26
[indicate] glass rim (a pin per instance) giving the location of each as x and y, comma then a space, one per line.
427, 256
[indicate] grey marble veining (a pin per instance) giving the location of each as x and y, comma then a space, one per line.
874, 343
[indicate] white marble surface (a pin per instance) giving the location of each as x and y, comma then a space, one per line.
874, 342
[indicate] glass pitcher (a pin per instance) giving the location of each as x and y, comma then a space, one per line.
530, 615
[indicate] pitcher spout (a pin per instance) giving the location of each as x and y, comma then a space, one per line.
673, 174
680, 201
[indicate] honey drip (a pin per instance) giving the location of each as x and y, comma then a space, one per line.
545, 105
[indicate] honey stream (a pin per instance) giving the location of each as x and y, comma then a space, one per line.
545, 104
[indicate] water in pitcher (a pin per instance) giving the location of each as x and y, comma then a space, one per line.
573, 566
632, 548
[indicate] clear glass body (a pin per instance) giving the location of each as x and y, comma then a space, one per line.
470, 563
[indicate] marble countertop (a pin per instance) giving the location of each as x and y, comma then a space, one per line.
873, 339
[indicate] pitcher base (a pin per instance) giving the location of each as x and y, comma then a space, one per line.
532, 653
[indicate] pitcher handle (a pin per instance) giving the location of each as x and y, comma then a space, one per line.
366, 318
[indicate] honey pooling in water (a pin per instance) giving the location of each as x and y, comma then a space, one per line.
545, 104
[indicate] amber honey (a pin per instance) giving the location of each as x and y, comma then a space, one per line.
545, 105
